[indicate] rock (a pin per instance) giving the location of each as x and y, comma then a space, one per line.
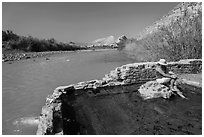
121, 41
64, 89
90, 86
45, 122
152, 89
99, 83
80, 85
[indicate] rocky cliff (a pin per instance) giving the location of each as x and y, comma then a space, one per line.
126, 77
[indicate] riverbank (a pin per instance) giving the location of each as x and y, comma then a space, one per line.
15, 55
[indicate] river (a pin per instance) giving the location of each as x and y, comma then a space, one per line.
27, 83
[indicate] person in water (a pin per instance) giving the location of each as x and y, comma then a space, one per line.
166, 77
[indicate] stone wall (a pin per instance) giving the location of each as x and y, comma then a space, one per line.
132, 73
126, 75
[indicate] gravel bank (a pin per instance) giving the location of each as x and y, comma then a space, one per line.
15, 56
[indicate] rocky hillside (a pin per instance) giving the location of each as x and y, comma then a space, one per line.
177, 35
175, 15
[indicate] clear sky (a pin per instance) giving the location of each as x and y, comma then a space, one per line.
81, 22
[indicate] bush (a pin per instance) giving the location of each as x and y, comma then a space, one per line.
180, 39
9, 35
184, 36
14, 41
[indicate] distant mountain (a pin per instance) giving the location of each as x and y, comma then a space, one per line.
109, 41
80, 44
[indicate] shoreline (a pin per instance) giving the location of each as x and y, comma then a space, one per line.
17, 56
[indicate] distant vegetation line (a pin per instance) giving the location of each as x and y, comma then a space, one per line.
12, 41
176, 36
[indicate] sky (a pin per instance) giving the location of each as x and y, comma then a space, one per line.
81, 22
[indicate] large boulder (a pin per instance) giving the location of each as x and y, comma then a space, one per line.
153, 89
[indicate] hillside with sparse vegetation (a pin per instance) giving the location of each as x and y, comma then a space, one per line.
176, 36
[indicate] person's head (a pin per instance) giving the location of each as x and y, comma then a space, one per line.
162, 62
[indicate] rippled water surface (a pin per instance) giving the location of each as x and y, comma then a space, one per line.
27, 83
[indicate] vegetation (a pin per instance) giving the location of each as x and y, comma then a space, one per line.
11, 41
181, 38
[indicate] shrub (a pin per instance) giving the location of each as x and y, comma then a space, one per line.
14, 41
9, 35
180, 39
184, 36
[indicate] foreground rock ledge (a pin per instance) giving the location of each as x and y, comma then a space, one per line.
55, 115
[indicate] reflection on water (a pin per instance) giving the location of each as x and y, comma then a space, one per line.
27, 83
25, 123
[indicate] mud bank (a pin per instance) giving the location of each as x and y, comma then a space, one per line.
113, 105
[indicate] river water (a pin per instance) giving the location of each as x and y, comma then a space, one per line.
27, 83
